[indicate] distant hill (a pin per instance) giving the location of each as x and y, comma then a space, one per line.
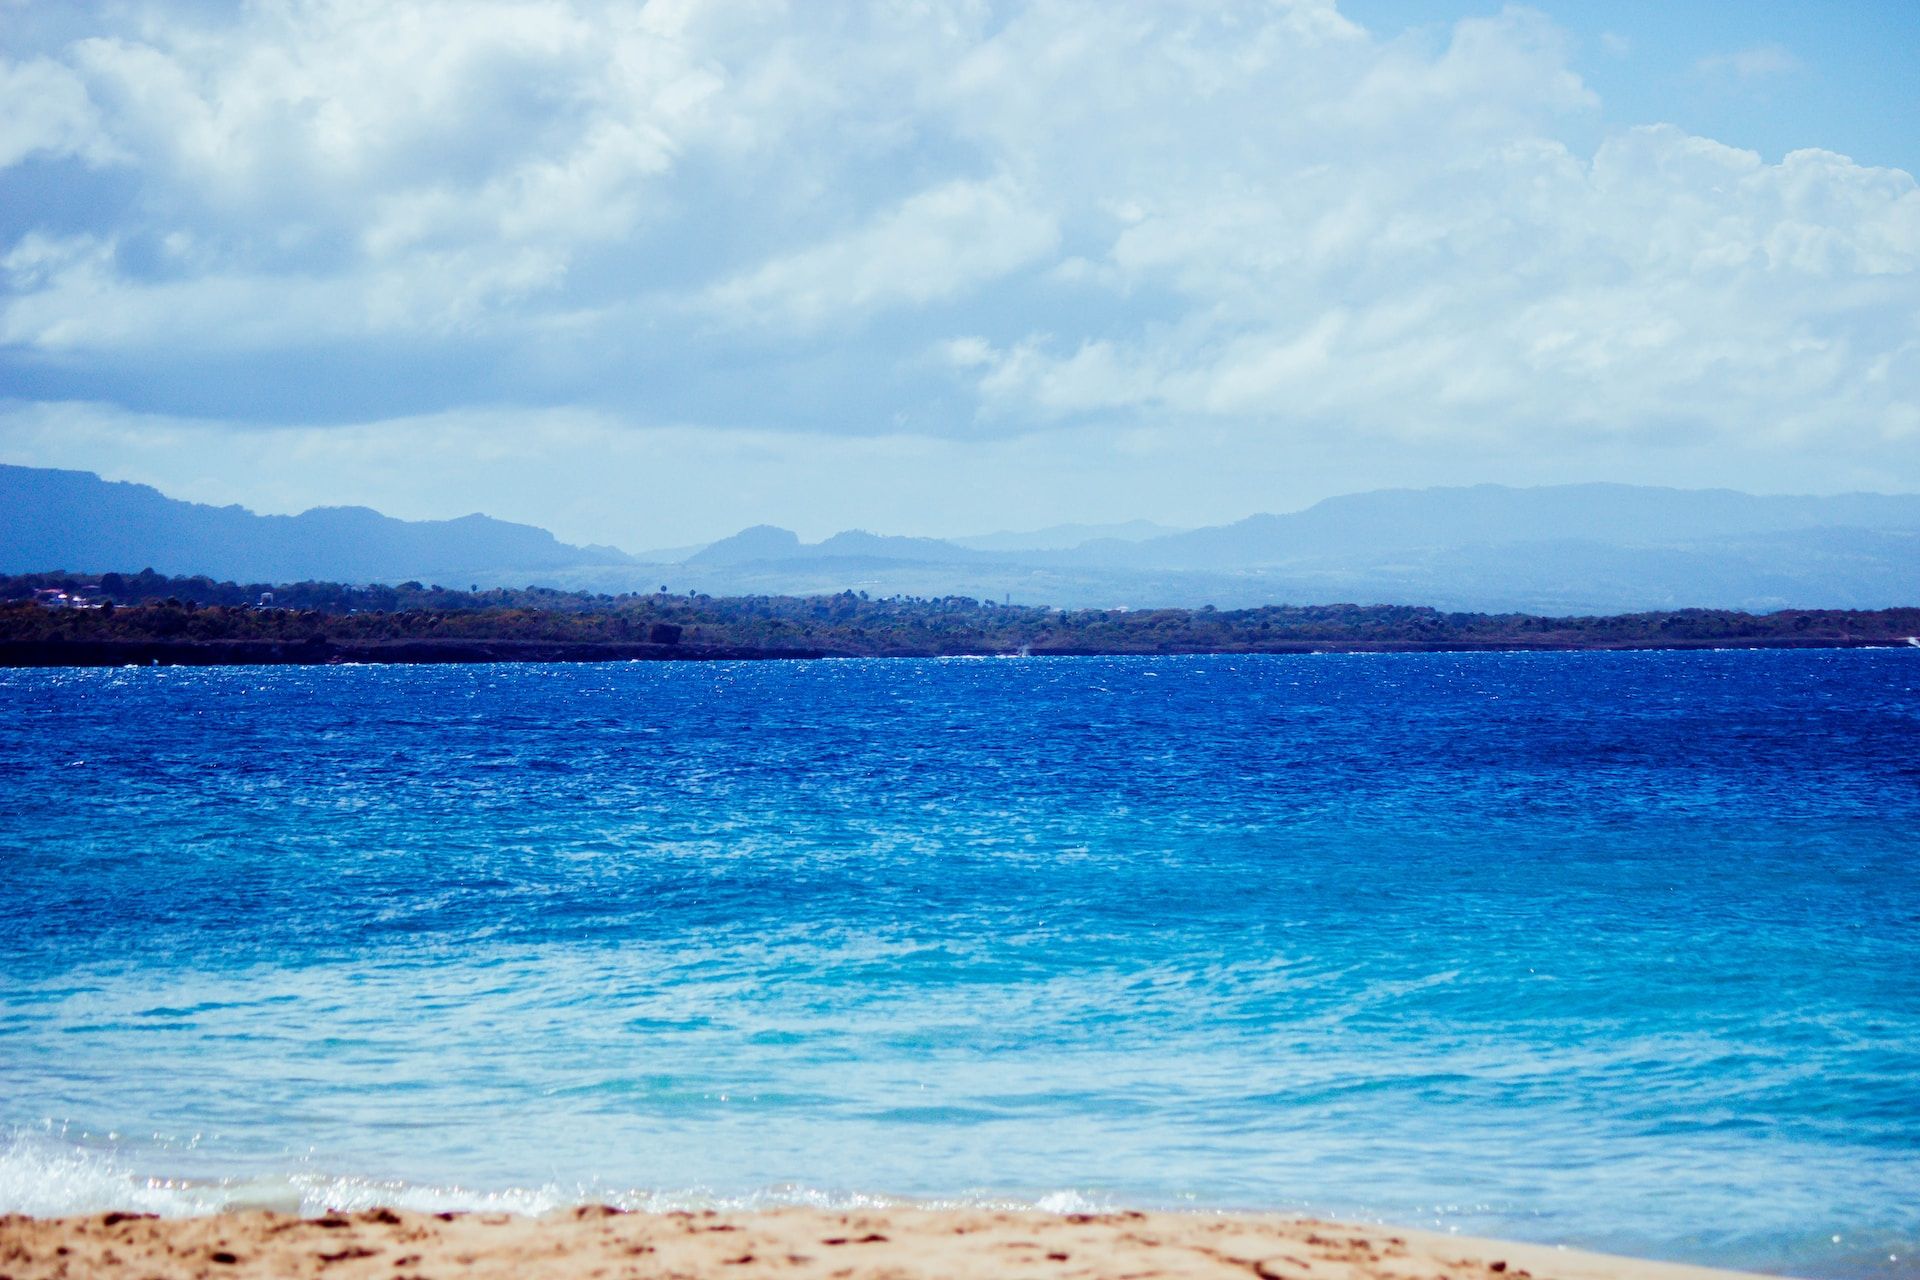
765, 544
75, 520
1562, 550
1360, 527
750, 546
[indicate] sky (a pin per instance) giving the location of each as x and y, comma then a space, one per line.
645, 274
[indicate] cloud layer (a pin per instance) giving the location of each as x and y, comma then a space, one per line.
1070, 226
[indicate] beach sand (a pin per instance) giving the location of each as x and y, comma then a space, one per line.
804, 1244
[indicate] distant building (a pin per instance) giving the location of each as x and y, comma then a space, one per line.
55, 598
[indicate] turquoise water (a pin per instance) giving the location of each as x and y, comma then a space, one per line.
1620, 950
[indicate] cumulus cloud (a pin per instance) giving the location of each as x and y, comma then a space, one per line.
1666, 278
45, 111
931, 246
1254, 222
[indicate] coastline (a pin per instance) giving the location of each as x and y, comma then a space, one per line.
228, 653
805, 1244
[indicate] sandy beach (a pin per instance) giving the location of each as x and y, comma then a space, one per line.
899, 1244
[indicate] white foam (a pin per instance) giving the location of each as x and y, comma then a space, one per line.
45, 1175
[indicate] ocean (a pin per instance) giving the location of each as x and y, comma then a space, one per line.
1614, 950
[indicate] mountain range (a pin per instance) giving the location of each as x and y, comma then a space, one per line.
1591, 548
75, 520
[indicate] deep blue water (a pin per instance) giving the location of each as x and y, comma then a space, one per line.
1611, 949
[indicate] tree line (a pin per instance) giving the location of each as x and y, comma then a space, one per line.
151, 608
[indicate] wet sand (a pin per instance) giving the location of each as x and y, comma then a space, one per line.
896, 1244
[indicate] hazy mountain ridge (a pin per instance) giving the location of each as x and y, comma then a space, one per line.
1593, 548
768, 544
76, 520
1393, 521
1824, 569
1559, 549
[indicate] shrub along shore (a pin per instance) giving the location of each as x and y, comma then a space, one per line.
60, 619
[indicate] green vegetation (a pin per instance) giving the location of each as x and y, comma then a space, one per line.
150, 617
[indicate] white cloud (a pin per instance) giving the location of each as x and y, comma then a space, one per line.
1251, 222
350, 166
44, 110
1514, 287
933, 245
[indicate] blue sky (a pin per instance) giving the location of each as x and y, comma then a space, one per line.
646, 273
1770, 75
